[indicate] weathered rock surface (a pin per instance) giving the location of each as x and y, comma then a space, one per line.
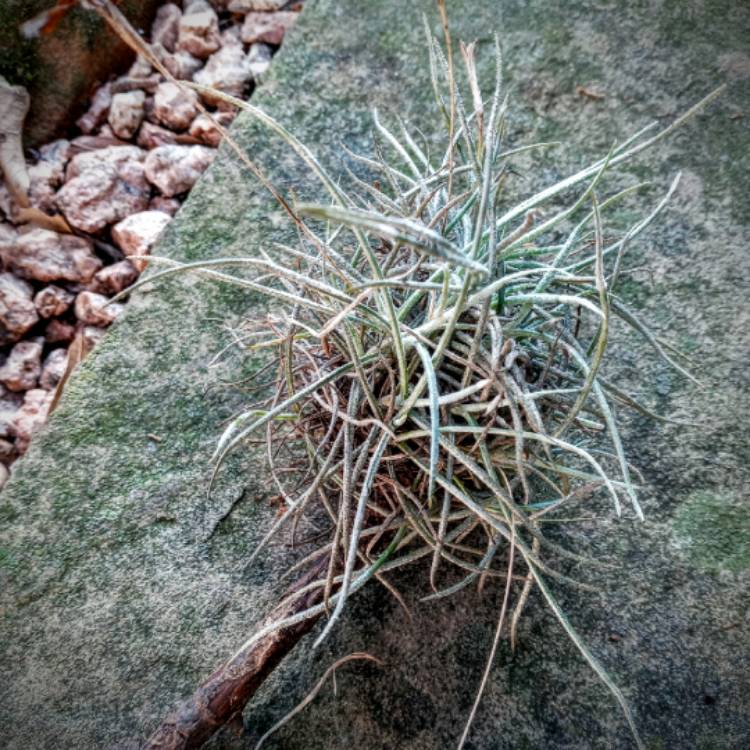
227, 70
140, 77
174, 107
166, 26
199, 30
169, 205
104, 139
140, 69
92, 309
17, 311
92, 336
181, 64
267, 27
23, 367
106, 136
48, 174
8, 235
117, 580
114, 156
204, 128
53, 301
126, 113
8, 452
137, 234
113, 279
30, 417
103, 194
59, 332
150, 136
53, 369
97, 111
232, 36
46, 256
56, 154
10, 403
174, 169
259, 58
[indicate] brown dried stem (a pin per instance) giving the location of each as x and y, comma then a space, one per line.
222, 697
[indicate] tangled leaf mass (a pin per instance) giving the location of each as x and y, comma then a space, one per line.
438, 392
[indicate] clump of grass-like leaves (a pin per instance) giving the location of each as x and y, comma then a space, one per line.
437, 354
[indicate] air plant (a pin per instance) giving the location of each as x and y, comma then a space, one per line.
438, 391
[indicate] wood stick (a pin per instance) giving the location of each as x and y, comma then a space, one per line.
222, 696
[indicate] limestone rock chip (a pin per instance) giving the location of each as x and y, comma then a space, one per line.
115, 156
166, 26
53, 301
136, 234
267, 27
47, 256
8, 235
30, 417
56, 154
204, 129
141, 68
48, 174
180, 64
199, 30
97, 112
83, 144
196, 6
23, 367
8, 453
59, 332
175, 169
45, 176
41, 193
126, 113
140, 77
17, 311
104, 194
259, 58
232, 36
53, 369
106, 137
227, 70
92, 335
10, 403
150, 136
90, 309
168, 205
174, 107
113, 279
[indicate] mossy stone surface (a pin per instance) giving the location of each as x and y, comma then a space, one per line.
716, 530
120, 590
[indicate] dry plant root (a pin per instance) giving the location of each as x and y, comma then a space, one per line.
14, 104
222, 697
